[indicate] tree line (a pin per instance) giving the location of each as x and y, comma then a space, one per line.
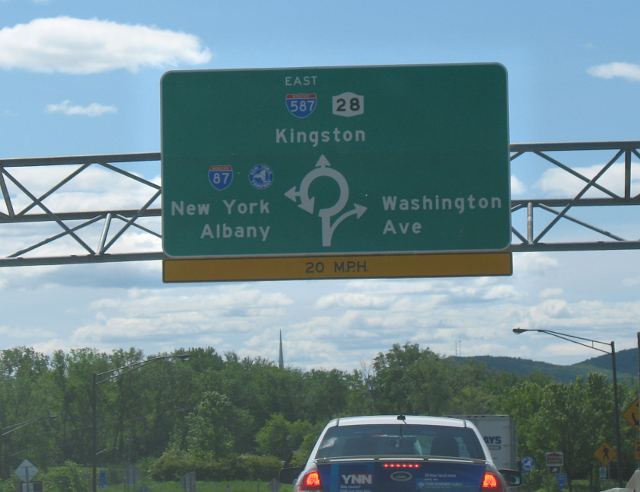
218, 410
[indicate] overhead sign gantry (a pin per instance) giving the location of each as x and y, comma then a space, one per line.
335, 172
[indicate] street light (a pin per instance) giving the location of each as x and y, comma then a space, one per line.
103, 377
589, 343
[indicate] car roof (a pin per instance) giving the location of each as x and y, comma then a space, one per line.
394, 419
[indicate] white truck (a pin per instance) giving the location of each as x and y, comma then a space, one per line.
499, 434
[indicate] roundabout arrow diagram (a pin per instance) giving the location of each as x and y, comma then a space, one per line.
323, 169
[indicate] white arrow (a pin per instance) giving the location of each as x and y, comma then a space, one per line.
360, 210
357, 210
323, 161
323, 169
306, 203
292, 194
328, 228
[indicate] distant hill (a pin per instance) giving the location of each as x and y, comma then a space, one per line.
626, 363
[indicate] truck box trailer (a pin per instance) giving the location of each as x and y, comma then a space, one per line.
499, 434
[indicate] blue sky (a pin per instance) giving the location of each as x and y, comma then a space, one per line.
547, 48
574, 75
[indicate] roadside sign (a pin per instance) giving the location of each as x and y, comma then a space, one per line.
554, 459
603, 472
102, 479
605, 454
335, 161
632, 414
323, 267
26, 471
527, 464
562, 480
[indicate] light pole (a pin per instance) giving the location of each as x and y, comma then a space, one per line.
587, 342
112, 375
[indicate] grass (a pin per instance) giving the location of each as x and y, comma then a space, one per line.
232, 486
578, 486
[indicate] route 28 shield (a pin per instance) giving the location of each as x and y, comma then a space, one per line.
220, 177
301, 105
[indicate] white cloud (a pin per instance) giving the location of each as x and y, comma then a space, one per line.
551, 292
631, 282
25, 333
537, 263
95, 188
501, 292
588, 318
551, 308
557, 182
393, 287
246, 318
627, 71
361, 301
26, 278
151, 314
51, 345
517, 186
234, 300
88, 46
92, 110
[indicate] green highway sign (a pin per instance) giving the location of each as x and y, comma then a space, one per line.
333, 161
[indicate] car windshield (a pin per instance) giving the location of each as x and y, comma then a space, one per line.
400, 440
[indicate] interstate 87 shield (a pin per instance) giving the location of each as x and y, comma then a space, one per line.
335, 161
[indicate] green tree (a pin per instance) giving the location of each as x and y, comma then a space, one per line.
279, 437
573, 418
213, 426
73, 383
360, 397
413, 381
325, 394
27, 401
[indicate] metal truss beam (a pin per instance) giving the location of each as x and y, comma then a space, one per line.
594, 176
51, 213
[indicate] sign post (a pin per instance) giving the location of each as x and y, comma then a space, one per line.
349, 163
